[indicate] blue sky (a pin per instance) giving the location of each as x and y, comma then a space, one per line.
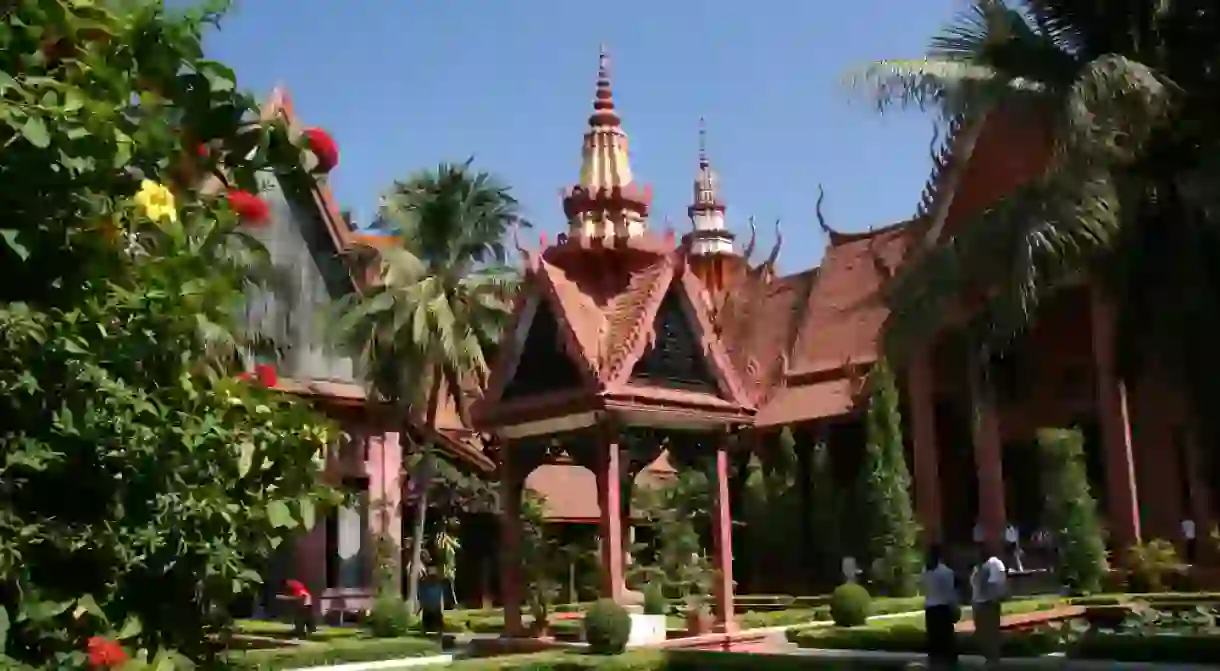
405, 84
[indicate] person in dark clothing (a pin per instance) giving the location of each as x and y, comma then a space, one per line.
303, 613
941, 610
432, 604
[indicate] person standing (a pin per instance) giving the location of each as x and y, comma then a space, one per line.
989, 588
432, 604
941, 610
304, 622
1012, 538
1188, 537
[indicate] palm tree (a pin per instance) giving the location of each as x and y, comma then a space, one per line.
1129, 195
442, 296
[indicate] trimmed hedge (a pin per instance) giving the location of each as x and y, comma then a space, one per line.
337, 651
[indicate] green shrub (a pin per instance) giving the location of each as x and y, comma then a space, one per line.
1071, 509
389, 617
342, 651
1150, 564
655, 602
850, 605
607, 626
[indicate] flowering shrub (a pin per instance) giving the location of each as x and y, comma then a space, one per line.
323, 147
249, 208
141, 481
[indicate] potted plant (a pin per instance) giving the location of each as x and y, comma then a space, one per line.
698, 616
541, 561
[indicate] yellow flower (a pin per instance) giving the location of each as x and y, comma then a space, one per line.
156, 201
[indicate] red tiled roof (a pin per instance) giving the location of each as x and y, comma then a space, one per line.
606, 302
845, 311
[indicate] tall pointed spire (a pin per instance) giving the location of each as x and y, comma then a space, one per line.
606, 203
710, 236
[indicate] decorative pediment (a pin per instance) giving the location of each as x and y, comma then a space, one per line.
675, 358
542, 367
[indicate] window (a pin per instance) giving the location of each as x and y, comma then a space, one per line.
349, 550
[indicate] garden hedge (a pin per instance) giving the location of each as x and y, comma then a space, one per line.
338, 651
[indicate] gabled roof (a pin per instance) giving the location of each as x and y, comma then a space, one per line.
451, 432
606, 305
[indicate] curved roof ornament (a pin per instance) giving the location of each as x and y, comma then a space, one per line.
826, 229
753, 239
527, 257
779, 242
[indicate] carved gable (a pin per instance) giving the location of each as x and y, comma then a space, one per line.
676, 358
543, 366
293, 309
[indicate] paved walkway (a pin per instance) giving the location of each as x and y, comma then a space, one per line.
1053, 661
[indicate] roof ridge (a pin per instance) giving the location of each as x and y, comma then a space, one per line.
582, 352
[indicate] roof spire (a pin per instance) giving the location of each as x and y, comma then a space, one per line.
603, 98
606, 203
711, 235
703, 162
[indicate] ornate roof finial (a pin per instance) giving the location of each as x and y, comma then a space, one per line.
606, 203
603, 98
703, 162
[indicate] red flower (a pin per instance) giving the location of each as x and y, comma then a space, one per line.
202, 149
105, 653
249, 207
266, 374
323, 147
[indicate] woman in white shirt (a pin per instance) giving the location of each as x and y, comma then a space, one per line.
940, 610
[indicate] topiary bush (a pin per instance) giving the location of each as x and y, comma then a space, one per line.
389, 617
850, 605
1071, 510
607, 626
655, 602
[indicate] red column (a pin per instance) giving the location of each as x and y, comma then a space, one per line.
609, 496
922, 404
988, 456
722, 538
510, 546
1115, 427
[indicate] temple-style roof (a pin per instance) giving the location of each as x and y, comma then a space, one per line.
450, 430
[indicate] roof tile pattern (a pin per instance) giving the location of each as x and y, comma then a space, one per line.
845, 310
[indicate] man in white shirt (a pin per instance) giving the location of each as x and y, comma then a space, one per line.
1188, 535
989, 587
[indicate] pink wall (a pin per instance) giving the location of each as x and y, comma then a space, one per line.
371, 454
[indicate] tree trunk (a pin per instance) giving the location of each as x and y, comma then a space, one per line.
421, 503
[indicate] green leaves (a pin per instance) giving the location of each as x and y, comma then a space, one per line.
279, 515
34, 130
118, 341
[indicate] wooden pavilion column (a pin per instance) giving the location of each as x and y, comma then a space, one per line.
512, 481
988, 453
922, 404
722, 538
1115, 423
609, 499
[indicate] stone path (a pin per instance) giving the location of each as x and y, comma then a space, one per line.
1054, 661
